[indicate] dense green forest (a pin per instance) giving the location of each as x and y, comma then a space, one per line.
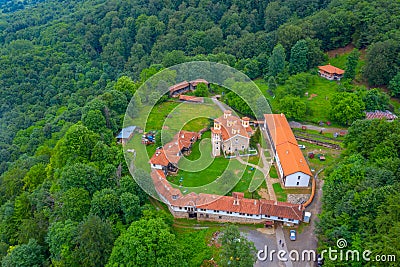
69, 69
361, 193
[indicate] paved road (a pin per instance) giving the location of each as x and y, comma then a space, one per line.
263, 241
307, 239
219, 104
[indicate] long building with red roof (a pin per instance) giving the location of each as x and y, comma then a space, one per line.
291, 165
233, 208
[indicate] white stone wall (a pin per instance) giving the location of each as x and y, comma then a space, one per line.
297, 179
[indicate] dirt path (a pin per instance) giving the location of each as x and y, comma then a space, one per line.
295, 124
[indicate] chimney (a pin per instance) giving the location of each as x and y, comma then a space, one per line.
227, 113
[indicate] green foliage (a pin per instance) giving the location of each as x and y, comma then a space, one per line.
147, 243
272, 84
130, 206
255, 138
374, 99
34, 177
61, 241
346, 108
381, 62
351, 64
201, 90
74, 204
75, 146
394, 85
105, 203
276, 63
293, 107
298, 57
236, 250
29, 255
95, 241
81, 176
361, 192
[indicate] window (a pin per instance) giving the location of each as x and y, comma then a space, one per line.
291, 220
219, 217
297, 183
298, 177
207, 216
180, 208
242, 147
185, 208
280, 218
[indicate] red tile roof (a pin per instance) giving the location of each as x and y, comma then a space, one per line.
331, 69
191, 98
377, 114
281, 209
231, 123
178, 86
170, 152
286, 146
197, 81
236, 203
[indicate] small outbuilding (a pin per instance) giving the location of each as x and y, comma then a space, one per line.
126, 134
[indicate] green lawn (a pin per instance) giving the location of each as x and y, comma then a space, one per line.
319, 105
244, 184
202, 177
279, 192
188, 116
272, 172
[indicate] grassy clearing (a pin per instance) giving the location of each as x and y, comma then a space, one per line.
319, 105
189, 116
331, 156
203, 177
279, 192
272, 172
141, 160
244, 183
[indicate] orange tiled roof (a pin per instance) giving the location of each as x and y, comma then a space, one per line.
331, 69
191, 98
281, 209
170, 152
159, 158
236, 203
178, 86
286, 146
236, 124
197, 81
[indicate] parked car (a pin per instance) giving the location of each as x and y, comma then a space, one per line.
302, 146
293, 235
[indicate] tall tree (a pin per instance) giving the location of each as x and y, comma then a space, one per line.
236, 250
293, 107
298, 57
351, 64
346, 108
95, 241
381, 62
25, 255
147, 243
394, 85
276, 63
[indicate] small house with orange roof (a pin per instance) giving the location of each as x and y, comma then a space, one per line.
166, 158
330, 72
291, 165
230, 134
